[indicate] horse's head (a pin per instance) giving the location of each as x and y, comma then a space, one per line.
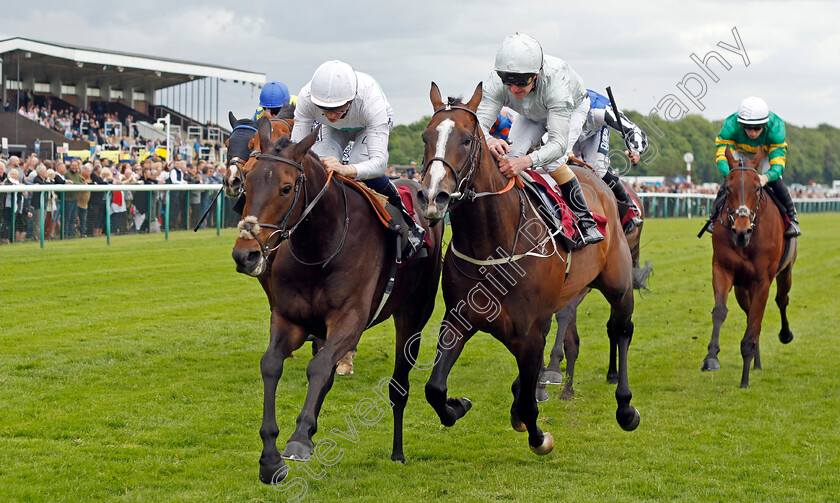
273, 186
240, 144
453, 142
743, 196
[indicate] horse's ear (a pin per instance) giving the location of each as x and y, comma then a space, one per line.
264, 131
434, 94
232, 119
476, 98
758, 157
729, 157
305, 144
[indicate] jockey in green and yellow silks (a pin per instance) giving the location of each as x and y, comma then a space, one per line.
753, 127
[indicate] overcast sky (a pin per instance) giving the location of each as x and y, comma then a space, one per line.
641, 48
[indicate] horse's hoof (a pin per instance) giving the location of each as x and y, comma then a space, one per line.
297, 451
399, 458
551, 377
612, 378
541, 394
274, 473
568, 394
633, 423
545, 448
344, 369
460, 405
785, 336
710, 364
517, 424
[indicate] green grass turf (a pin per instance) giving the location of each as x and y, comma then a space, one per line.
130, 372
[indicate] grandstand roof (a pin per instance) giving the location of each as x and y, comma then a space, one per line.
47, 60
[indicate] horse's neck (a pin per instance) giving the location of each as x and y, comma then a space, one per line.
479, 227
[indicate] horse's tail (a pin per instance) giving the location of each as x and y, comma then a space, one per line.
640, 276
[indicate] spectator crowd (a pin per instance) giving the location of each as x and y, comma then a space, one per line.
83, 213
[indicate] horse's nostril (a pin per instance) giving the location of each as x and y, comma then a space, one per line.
442, 199
423, 197
253, 256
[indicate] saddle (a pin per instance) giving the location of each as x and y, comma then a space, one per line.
553, 208
389, 216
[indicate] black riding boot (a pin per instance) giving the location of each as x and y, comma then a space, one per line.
574, 197
623, 196
717, 207
416, 233
781, 191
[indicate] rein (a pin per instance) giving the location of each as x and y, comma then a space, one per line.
251, 226
473, 159
464, 192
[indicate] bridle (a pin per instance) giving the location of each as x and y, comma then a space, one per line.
743, 210
238, 161
251, 226
463, 183
464, 192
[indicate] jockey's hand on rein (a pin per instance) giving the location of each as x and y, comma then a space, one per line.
498, 147
333, 164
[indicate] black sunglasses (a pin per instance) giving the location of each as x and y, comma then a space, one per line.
757, 127
516, 79
343, 108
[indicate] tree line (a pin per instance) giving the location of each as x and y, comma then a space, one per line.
813, 153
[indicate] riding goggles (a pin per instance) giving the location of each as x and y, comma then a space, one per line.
340, 109
757, 127
516, 79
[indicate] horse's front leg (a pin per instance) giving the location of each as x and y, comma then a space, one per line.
320, 372
453, 335
620, 331
722, 283
284, 338
749, 344
528, 351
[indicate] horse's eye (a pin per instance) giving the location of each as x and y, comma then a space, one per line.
468, 140
286, 190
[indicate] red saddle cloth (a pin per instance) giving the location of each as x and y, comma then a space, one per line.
567, 216
408, 201
631, 212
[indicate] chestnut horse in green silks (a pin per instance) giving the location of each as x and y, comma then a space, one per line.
749, 250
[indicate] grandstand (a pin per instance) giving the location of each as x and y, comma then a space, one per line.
82, 96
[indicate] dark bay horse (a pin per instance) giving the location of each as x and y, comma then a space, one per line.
503, 274
243, 140
332, 260
748, 251
567, 341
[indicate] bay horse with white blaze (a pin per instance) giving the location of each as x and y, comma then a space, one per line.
749, 250
500, 274
331, 261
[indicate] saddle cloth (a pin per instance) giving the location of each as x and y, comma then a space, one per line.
552, 197
388, 216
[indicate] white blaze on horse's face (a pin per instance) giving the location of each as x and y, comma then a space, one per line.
232, 174
437, 170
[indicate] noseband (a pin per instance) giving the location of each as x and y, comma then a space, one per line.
743, 210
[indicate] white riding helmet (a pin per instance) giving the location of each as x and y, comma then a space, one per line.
519, 53
753, 111
333, 84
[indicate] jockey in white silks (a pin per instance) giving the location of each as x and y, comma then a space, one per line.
550, 99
